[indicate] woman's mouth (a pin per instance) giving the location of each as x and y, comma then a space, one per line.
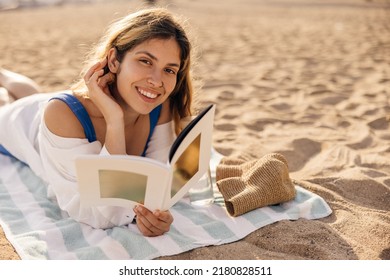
146, 93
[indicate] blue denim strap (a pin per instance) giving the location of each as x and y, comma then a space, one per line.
80, 112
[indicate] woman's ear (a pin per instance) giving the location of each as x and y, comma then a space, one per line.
112, 61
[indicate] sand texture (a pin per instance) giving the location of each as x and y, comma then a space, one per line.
307, 79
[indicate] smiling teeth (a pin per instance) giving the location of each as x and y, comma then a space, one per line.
147, 94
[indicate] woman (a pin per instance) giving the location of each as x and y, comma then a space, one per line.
135, 88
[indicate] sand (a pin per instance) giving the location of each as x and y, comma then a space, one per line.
308, 79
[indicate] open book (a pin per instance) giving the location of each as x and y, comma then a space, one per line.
123, 180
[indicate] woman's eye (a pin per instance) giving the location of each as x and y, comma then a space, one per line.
170, 71
145, 61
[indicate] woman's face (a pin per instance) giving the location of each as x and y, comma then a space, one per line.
147, 74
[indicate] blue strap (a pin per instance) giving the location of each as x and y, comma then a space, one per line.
153, 118
4, 151
82, 115
80, 112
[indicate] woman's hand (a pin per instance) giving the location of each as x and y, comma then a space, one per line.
99, 92
97, 83
152, 224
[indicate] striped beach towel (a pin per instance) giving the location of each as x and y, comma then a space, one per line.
38, 229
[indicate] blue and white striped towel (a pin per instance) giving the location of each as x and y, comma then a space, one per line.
38, 229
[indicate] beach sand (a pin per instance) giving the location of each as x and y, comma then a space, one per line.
307, 79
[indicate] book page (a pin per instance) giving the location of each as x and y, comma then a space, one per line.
123, 184
190, 157
186, 166
122, 180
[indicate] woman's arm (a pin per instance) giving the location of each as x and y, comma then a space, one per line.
98, 91
57, 155
61, 121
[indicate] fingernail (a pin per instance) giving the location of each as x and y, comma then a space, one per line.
139, 208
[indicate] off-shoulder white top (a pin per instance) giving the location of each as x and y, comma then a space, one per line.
25, 135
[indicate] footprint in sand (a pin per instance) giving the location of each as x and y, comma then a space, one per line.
379, 124
225, 127
302, 150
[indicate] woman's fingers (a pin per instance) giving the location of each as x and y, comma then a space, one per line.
106, 79
95, 76
164, 216
144, 222
94, 68
145, 227
153, 224
90, 71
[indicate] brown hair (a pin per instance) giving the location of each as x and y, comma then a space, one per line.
141, 26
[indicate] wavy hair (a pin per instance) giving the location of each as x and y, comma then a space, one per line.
136, 28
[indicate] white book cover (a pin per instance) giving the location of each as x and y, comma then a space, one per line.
123, 180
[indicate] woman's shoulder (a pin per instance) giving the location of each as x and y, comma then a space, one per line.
61, 120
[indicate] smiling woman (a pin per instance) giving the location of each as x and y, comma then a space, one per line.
147, 74
134, 90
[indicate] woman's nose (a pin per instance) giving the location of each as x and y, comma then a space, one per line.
155, 79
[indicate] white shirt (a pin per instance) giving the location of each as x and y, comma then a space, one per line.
25, 135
